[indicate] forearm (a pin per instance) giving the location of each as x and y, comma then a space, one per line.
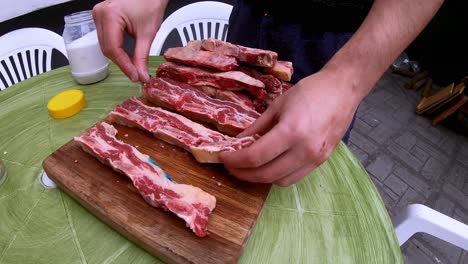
390, 26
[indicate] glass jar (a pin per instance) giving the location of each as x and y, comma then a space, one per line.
87, 63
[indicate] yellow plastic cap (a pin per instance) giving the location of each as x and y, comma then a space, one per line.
66, 104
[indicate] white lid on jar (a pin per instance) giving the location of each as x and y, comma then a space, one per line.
78, 17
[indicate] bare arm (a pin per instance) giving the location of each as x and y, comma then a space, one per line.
302, 128
387, 30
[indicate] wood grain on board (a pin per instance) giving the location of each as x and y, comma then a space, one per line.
112, 197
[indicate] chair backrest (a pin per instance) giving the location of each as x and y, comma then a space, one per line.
27, 52
196, 21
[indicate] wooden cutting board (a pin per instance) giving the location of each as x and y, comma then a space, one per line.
112, 197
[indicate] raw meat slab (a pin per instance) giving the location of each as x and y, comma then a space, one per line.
111, 196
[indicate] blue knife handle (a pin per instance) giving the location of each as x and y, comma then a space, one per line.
165, 174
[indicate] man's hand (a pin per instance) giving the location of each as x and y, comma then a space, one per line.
300, 131
302, 127
141, 19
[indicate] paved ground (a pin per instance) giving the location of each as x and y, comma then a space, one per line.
411, 161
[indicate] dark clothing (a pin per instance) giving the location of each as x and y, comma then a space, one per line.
308, 39
315, 15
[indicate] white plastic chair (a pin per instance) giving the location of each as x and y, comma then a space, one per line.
30, 46
417, 218
200, 20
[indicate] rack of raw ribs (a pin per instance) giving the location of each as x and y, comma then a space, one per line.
207, 81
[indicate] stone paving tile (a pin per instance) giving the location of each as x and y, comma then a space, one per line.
414, 255
460, 215
406, 157
360, 154
370, 119
432, 169
444, 205
387, 80
432, 134
445, 252
418, 253
361, 126
420, 154
363, 108
395, 197
389, 198
404, 115
410, 197
448, 143
421, 122
384, 131
363, 142
382, 114
458, 175
381, 167
433, 151
395, 103
407, 140
464, 258
456, 195
378, 96
396, 184
464, 147
463, 158
410, 161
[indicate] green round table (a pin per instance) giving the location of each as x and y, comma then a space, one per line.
334, 215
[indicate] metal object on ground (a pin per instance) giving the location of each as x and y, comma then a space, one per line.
46, 181
3, 173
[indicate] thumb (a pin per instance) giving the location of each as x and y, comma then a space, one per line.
263, 124
140, 57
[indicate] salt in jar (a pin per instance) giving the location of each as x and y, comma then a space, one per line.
87, 62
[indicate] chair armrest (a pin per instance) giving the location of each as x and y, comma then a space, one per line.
417, 218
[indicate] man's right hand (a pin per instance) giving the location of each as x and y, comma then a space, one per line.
141, 19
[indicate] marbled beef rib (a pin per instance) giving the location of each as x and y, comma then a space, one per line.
229, 117
252, 56
186, 201
201, 58
205, 144
231, 80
